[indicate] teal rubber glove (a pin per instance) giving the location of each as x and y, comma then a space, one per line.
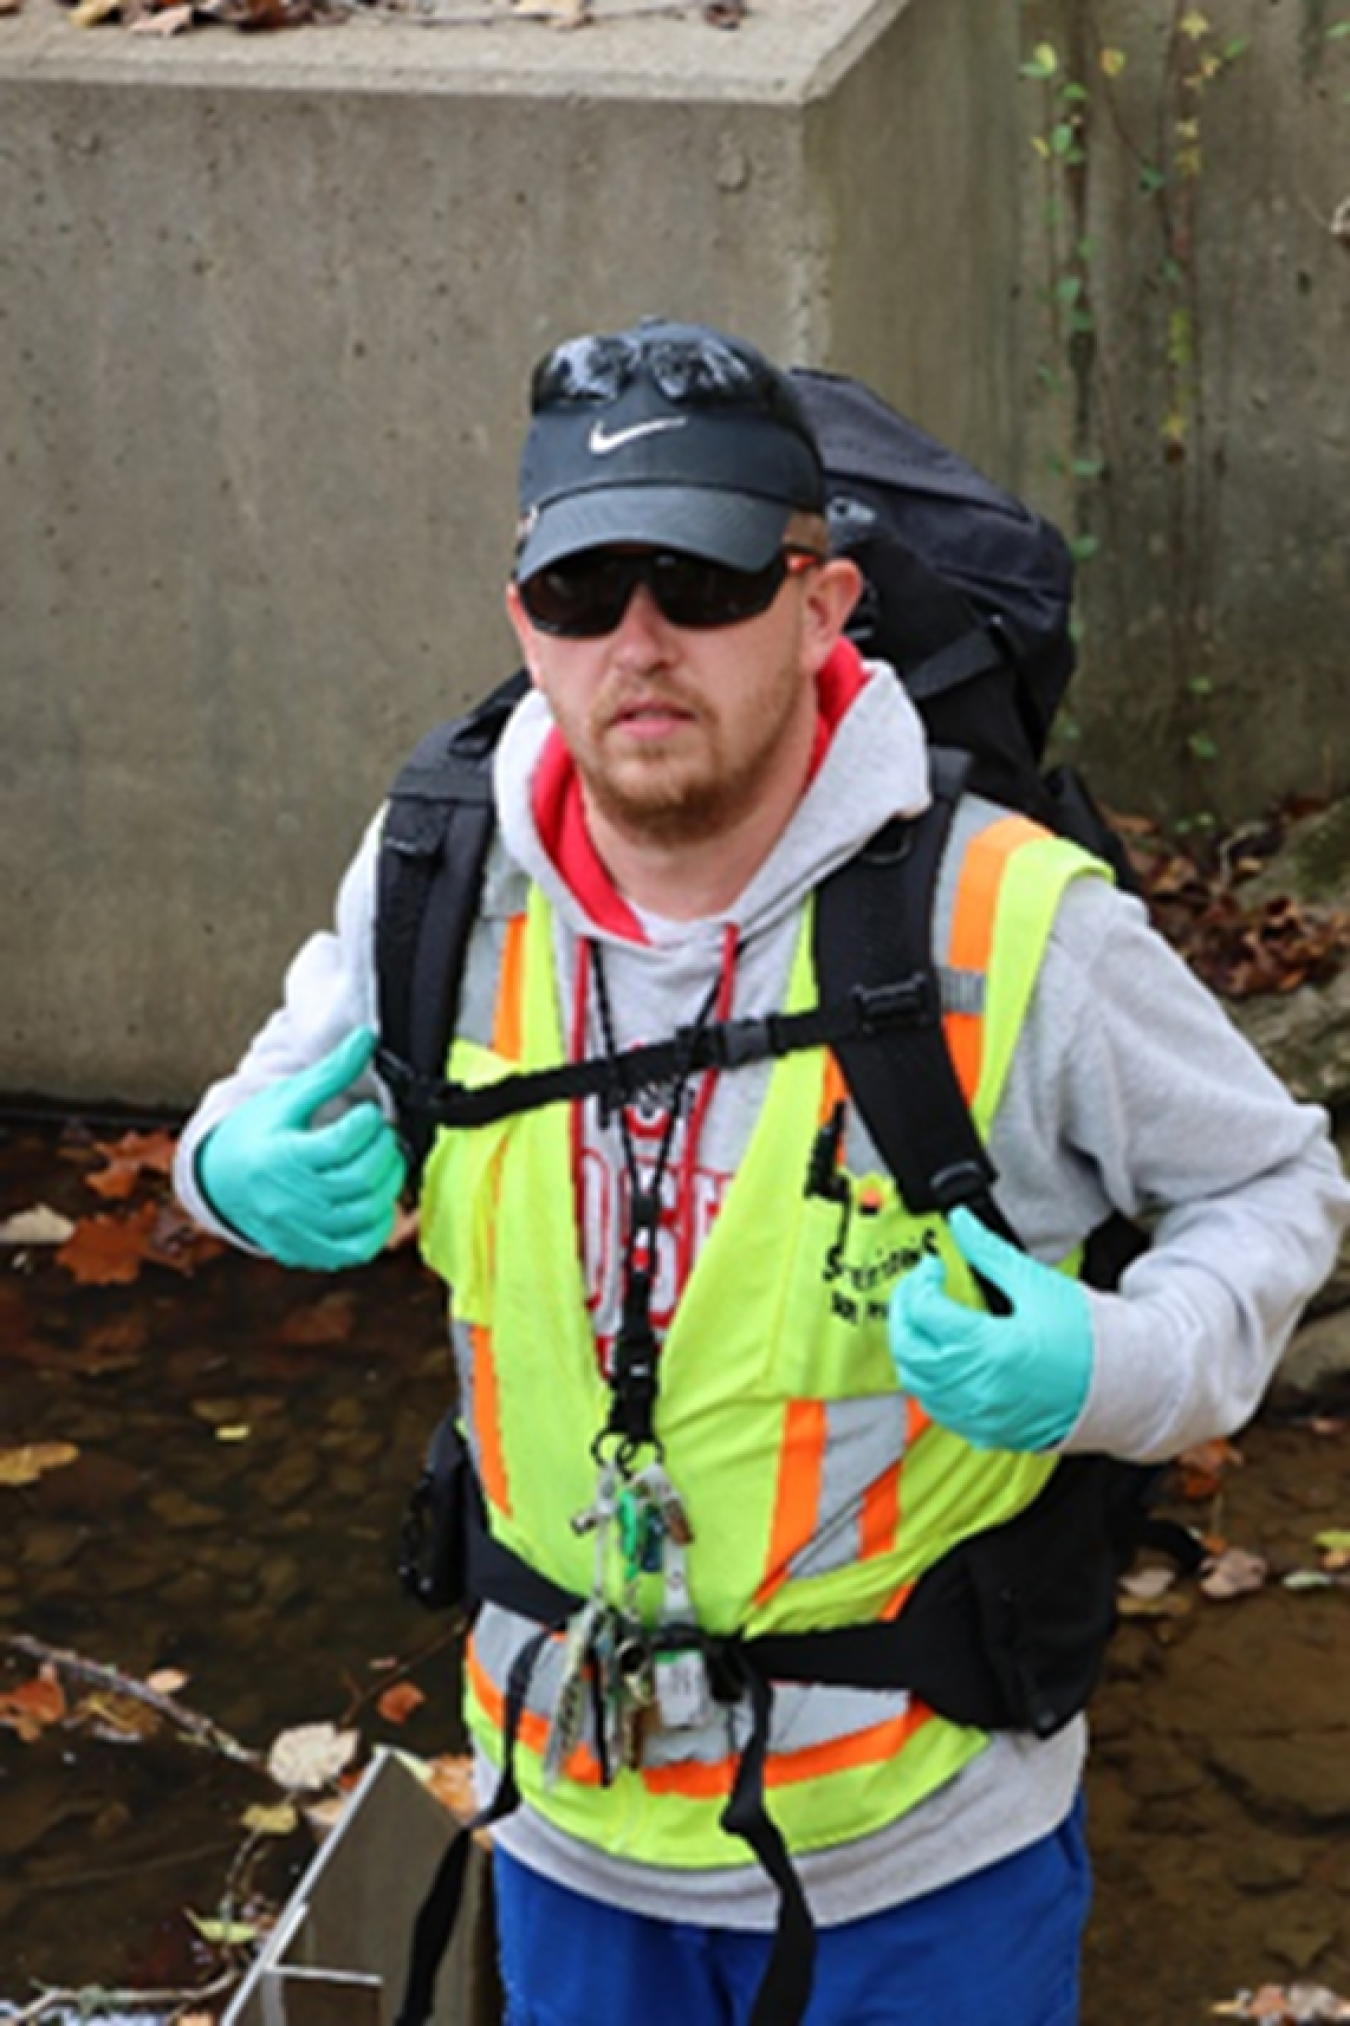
316, 1196
1015, 1381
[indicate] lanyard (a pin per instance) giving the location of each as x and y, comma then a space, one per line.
633, 1368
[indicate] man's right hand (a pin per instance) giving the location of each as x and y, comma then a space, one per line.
314, 1196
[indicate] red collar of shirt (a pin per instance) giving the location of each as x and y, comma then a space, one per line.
561, 819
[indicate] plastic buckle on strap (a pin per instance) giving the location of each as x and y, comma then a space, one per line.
735, 1043
965, 1182
399, 1076
909, 1002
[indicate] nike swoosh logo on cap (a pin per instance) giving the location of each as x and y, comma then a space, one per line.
602, 441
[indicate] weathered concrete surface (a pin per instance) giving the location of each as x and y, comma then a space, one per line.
1207, 383
267, 308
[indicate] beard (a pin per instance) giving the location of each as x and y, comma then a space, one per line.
664, 809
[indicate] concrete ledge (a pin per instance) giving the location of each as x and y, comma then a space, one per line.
785, 52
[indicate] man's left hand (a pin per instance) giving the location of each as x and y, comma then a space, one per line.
1015, 1381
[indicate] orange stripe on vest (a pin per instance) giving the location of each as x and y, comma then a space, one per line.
533, 1729
700, 1780
801, 1462
487, 1419
507, 1030
972, 934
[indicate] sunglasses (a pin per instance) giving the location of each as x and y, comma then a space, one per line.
704, 372
586, 595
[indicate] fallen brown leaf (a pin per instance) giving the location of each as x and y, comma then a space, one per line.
129, 1159
33, 1460
33, 1706
397, 1704
1201, 1469
109, 1251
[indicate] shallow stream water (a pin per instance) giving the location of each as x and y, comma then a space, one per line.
246, 1438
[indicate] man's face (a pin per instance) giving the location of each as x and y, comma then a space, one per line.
677, 731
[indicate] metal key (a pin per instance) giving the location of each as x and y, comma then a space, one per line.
569, 1708
637, 1696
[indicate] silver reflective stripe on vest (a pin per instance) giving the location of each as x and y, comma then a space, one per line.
864, 1439
804, 1716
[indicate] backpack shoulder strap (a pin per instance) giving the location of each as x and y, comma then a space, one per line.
438, 827
874, 923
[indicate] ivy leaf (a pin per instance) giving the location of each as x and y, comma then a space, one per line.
1043, 62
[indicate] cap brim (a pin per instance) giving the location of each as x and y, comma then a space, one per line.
739, 529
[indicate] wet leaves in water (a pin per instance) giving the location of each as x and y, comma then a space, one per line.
397, 1704
112, 1248
128, 1161
224, 1934
311, 1756
280, 1820
109, 1251
32, 1460
117, 1719
34, 1706
39, 1226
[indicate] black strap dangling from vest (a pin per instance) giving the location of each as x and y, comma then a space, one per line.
440, 1909
785, 1990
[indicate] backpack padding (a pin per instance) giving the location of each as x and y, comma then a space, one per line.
437, 830
874, 928
1011, 566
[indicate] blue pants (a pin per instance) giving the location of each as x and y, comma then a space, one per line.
1002, 1944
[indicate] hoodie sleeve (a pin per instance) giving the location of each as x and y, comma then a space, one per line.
1132, 1090
329, 990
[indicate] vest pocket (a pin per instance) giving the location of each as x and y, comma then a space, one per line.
845, 1256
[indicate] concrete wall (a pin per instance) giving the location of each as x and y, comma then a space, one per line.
1211, 387
268, 310
267, 307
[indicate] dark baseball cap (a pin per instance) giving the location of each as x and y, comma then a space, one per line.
667, 434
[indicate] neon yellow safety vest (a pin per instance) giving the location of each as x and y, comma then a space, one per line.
818, 1493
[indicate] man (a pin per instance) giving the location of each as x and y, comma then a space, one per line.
689, 1415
